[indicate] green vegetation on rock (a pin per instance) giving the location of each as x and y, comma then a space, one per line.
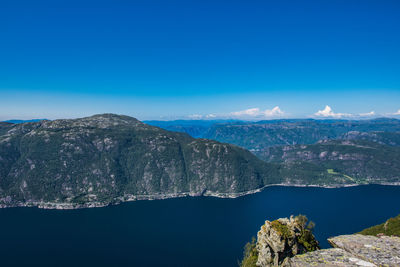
306, 237
250, 254
389, 228
281, 228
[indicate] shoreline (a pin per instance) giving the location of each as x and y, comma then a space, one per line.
130, 198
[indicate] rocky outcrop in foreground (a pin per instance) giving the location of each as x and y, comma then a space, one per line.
353, 250
283, 238
327, 257
290, 243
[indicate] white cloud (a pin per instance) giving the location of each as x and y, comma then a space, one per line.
256, 112
327, 112
247, 112
276, 111
368, 114
211, 116
397, 113
195, 116
201, 117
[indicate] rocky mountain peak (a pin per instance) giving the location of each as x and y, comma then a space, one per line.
98, 121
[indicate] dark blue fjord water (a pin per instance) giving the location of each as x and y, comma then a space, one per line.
182, 232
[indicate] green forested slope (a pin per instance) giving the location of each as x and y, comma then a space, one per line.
355, 161
104, 157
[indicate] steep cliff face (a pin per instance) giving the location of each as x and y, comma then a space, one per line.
111, 158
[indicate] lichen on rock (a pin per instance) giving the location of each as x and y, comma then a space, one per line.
382, 251
328, 258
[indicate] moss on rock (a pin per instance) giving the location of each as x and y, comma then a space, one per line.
281, 228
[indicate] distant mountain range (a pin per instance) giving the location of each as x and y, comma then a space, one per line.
256, 136
23, 121
195, 128
109, 158
359, 151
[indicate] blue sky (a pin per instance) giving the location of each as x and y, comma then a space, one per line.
176, 59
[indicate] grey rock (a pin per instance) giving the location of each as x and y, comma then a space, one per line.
327, 258
353, 250
277, 244
383, 251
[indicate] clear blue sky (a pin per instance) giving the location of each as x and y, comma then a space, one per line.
176, 58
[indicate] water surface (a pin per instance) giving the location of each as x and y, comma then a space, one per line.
200, 231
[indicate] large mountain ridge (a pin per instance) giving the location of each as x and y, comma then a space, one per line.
108, 158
